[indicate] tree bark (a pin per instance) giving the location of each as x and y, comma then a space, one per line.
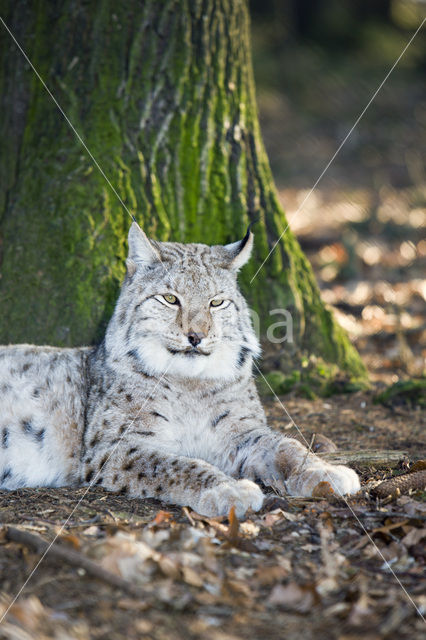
163, 95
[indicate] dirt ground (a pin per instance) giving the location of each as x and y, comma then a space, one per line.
301, 568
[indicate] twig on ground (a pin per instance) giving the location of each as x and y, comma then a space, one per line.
71, 557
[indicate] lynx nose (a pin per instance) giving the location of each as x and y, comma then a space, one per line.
195, 338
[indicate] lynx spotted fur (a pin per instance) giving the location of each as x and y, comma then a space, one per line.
166, 406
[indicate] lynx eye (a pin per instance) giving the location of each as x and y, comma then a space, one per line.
216, 303
170, 298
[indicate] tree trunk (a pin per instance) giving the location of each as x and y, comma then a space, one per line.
163, 95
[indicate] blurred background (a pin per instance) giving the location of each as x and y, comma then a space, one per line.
317, 64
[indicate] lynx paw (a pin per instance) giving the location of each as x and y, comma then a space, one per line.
342, 479
242, 494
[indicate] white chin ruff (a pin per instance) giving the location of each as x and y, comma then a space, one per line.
220, 365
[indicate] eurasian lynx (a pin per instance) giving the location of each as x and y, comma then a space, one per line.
166, 406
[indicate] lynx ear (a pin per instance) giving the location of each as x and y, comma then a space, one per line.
239, 252
141, 250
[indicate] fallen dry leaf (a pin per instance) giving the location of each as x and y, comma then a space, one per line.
28, 612
293, 597
233, 526
360, 610
249, 528
413, 537
266, 576
28, 619
269, 519
169, 566
131, 604
192, 577
72, 540
161, 518
411, 507
125, 556
420, 465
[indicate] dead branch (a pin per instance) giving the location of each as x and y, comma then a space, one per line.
72, 558
371, 458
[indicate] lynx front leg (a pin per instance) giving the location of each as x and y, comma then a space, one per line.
178, 480
287, 465
303, 470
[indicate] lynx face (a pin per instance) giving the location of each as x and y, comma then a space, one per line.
180, 309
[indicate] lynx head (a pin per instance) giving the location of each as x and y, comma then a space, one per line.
180, 310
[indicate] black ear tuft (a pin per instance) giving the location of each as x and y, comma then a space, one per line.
248, 233
239, 252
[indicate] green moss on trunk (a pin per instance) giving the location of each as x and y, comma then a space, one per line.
163, 95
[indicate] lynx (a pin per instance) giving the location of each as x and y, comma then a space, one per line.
166, 406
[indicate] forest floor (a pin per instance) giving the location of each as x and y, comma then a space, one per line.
300, 568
